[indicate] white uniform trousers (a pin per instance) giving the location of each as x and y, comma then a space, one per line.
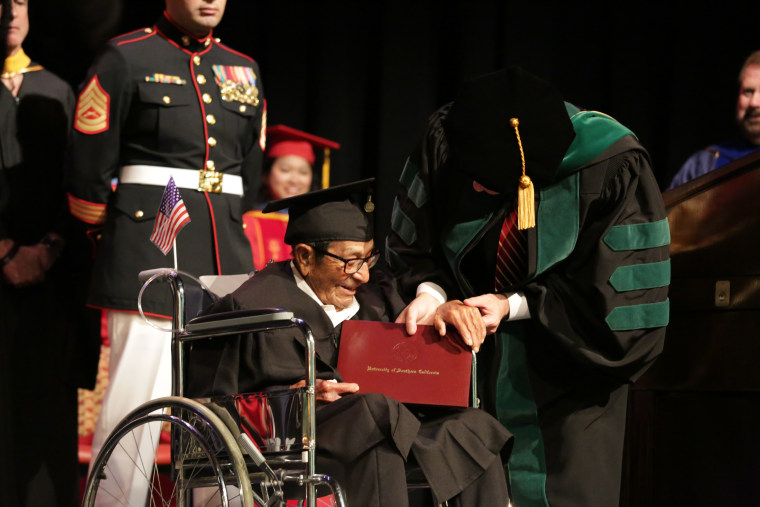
139, 370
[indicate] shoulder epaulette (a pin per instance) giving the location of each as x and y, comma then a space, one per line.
134, 35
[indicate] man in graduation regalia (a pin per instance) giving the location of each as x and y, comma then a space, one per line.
38, 283
363, 439
545, 220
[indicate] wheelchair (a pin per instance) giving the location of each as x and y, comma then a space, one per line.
235, 450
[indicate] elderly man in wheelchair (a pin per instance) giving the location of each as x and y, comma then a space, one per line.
264, 357
364, 439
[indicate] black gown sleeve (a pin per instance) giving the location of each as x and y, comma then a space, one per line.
412, 253
605, 306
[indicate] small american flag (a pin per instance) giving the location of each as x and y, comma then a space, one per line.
172, 216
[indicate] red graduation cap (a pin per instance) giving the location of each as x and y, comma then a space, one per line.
283, 140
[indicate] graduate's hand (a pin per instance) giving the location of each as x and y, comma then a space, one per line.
328, 390
420, 311
493, 308
466, 319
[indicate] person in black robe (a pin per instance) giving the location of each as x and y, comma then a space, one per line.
40, 315
576, 311
364, 439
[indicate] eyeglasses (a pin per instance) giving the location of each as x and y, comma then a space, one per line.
351, 266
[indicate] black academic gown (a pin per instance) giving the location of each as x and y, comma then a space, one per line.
559, 380
363, 440
38, 340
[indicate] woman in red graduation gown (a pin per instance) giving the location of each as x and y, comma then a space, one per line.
288, 171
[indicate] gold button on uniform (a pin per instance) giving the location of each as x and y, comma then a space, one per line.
206, 98
243, 108
210, 165
197, 60
211, 141
139, 214
167, 99
201, 79
211, 119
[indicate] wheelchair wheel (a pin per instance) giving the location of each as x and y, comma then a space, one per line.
206, 466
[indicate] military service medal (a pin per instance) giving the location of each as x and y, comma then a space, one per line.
237, 83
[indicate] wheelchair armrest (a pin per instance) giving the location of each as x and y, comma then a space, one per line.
240, 321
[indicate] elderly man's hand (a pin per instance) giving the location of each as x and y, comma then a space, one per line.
420, 311
493, 308
328, 390
466, 319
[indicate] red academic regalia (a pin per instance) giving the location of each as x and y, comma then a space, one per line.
266, 232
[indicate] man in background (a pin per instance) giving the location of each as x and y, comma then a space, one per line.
748, 121
37, 340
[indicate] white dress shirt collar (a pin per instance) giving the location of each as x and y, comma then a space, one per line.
335, 316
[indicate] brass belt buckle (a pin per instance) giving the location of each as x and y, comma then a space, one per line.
210, 181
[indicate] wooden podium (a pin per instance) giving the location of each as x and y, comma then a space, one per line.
694, 422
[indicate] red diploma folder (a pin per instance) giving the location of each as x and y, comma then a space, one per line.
425, 368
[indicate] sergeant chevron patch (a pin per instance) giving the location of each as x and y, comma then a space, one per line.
92, 109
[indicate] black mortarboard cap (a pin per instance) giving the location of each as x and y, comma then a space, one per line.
339, 213
484, 143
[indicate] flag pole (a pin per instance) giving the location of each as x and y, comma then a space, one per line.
174, 247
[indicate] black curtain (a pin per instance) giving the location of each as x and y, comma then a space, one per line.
368, 74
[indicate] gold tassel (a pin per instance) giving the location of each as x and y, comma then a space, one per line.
526, 213
326, 169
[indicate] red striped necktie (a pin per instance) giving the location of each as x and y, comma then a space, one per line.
512, 254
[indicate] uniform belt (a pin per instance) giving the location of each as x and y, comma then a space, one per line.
183, 178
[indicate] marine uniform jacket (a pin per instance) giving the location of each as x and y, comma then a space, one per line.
363, 440
159, 97
596, 288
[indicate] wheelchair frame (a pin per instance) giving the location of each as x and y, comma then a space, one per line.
214, 435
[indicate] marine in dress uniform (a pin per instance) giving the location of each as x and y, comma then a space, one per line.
38, 433
363, 439
161, 102
290, 152
587, 306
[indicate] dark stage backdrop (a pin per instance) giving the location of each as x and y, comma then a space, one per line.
368, 74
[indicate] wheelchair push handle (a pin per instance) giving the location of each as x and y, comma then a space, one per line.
148, 276
163, 273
